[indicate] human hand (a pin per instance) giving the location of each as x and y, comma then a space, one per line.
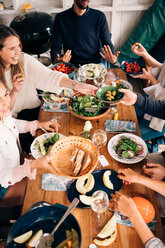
49, 125
145, 75
129, 98
128, 176
138, 49
155, 171
18, 81
108, 55
65, 58
123, 204
44, 163
86, 89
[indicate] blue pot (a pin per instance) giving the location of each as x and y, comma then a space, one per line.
42, 215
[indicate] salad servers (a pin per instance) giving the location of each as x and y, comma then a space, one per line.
47, 239
61, 95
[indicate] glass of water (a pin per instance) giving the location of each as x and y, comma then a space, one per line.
99, 205
99, 139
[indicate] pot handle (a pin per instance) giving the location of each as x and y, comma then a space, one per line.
38, 205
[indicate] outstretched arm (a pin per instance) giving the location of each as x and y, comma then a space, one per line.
130, 176
125, 205
155, 108
139, 50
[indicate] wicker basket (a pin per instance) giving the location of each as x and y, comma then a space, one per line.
62, 152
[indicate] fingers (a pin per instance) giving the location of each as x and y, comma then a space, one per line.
123, 90
134, 76
102, 55
117, 53
67, 56
108, 49
144, 70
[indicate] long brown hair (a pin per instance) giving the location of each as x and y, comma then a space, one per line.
6, 32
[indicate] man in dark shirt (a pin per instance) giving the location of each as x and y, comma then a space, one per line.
82, 31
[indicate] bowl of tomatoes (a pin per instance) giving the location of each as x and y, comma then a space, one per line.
133, 66
64, 67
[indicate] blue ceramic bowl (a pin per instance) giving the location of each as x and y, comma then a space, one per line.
42, 215
138, 61
70, 75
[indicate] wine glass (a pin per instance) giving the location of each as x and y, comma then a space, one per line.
55, 107
99, 139
98, 81
99, 205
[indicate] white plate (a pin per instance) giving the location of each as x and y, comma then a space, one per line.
34, 151
49, 101
83, 70
135, 138
125, 83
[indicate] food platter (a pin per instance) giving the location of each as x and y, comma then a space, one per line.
54, 101
34, 151
123, 82
92, 71
99, 185
139, 141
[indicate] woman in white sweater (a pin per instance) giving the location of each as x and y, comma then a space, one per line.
11, 172
23, 74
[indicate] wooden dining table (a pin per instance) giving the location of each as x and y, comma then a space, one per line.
127, 236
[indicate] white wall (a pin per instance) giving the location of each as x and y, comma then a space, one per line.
122, 15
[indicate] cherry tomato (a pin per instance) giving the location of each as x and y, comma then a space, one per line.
63, 68
132, 67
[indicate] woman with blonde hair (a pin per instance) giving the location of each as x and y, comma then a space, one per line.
22, 74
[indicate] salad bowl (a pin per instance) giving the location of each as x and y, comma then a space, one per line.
137, 148
85, 115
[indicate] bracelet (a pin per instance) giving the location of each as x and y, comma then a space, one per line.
116, 62
73, 85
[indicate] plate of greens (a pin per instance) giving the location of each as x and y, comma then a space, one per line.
42, 144
87, 107
127, 148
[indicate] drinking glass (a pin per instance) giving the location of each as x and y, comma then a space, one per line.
99, 139
98, 81
99, 205
55, 107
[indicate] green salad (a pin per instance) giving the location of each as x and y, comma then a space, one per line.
127, 148
45, 146
87, 105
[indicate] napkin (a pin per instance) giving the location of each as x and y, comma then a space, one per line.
120, 126
126, 222
63, 108
52, 182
